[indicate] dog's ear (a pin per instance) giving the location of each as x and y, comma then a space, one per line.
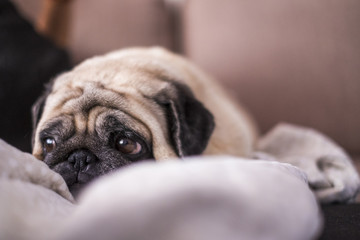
190, 124
38, 108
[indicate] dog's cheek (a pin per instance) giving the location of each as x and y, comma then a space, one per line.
111, 160
38, 108
37, 152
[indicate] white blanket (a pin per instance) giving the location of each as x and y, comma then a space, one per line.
330, 171
203, 198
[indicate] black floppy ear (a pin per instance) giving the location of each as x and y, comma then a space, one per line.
38, 108
190, 124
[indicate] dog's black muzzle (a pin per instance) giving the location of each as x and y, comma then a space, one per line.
83, 162
79, 169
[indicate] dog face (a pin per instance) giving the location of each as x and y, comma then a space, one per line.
114, 110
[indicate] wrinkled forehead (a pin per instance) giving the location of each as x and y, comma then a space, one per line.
89, 106
83, 97
107, 81
108, 121
100, 121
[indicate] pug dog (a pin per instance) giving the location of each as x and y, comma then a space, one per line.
132, 105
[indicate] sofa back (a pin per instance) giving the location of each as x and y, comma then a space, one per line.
296, 61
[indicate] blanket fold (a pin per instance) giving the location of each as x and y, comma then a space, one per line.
203, 198
219, 197
21, 166
329, 169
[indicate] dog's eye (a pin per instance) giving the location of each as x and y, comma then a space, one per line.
49, 144
127, 146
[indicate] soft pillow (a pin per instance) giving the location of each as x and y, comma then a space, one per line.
200, 198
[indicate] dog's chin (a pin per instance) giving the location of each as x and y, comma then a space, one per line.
76, 189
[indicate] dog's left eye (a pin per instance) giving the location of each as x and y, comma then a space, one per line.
127, 145
49, 144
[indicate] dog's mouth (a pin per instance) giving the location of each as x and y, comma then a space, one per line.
77, 183
76, 189
76, 178
79, 168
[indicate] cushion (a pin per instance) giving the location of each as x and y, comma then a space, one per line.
99, 27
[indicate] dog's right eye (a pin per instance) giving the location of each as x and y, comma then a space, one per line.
127, 146
49, 144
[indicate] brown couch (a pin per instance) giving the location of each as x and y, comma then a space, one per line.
295, 61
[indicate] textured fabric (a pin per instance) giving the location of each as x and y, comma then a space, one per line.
33, 198
341, 222
294, 61
19, 166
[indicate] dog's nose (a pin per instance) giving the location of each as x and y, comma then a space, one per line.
82, 159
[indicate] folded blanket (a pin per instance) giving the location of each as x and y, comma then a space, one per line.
330, 171
19, 166
200, 198
31, 196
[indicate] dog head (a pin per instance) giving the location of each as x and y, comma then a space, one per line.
114, 110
